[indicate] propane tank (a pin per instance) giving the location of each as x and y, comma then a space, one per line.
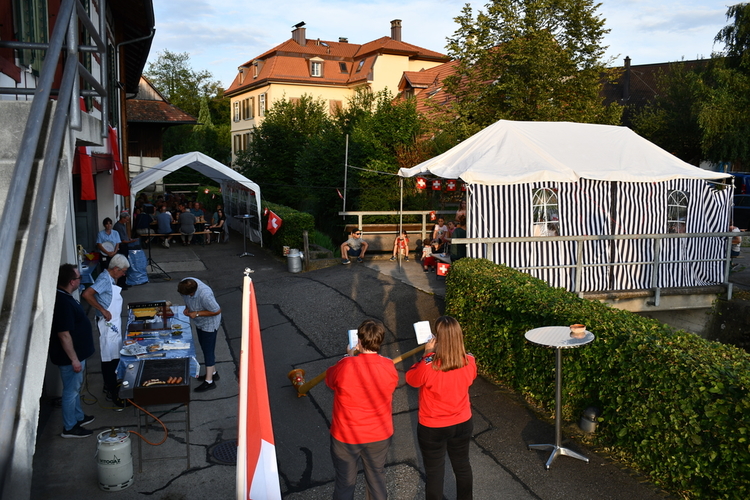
114, 460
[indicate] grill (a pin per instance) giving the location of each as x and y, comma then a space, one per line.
162, 370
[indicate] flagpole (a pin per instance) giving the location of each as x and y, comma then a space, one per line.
401, 217
242, 479
346, 170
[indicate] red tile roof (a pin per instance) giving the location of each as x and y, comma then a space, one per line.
149, 106
289, 62
427, 87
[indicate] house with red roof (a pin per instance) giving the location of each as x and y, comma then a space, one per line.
328, 70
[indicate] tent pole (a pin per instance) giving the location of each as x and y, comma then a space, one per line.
346, 171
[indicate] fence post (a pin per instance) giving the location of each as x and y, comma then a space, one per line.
306, 249
655, 275
579, 267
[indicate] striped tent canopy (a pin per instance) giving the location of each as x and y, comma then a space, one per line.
512, 152
539, 179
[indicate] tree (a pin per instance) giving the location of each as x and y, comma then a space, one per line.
529, 60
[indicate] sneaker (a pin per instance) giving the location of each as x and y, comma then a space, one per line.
426, 270
87, 419
393, 258
346, 261
214, 378
76, 432
406, 258
119, 404
205, 386
359, 259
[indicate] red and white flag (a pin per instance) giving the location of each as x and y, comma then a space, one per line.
339, 192
421, 183
432, 215
274, 222
463, 186
265, 211
443, 268
450, 185
436, 185
83, 157
257, 472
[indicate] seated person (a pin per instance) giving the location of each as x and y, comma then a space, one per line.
164, 225
355, 246
217, 229
107, 243
401, 246
440, 230
142, 224
187, 227
458, 251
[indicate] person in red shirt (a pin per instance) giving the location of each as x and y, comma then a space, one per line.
362, 423
443, 377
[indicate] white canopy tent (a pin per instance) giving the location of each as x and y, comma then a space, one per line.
229, 179
511, 152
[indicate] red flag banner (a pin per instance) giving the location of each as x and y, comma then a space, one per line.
450, 185
257, 472
436, 185
88, 191
432, 215
120, 184
340, 195
421, 183
463, 186
274, 222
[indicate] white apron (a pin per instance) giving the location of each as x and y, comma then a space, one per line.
110, 338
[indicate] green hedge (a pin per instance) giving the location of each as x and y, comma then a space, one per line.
290, 233
675, 405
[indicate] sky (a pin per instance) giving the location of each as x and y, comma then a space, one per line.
220, 35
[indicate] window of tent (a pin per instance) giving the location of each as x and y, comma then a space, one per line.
677, 206
545, 212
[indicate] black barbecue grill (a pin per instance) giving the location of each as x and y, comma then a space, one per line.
150, 385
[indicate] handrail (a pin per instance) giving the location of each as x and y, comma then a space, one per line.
20, 322
579, 265
424, 213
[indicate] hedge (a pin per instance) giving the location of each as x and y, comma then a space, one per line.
674, 405
290, 233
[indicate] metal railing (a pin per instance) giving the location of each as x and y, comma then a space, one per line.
425, 216
66, 116
579, 265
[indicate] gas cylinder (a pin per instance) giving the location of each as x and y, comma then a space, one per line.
114, 460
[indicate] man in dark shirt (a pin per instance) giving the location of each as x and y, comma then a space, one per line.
71, 343
458, 251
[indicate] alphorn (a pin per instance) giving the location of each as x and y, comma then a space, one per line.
297, 376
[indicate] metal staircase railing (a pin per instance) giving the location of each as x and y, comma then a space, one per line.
66, 116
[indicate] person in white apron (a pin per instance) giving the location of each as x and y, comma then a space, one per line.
104, 296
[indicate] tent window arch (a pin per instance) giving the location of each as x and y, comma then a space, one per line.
545, 213
677, 206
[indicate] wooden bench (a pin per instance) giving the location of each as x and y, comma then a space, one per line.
171, 235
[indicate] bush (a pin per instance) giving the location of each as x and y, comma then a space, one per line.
675, 405
290, 232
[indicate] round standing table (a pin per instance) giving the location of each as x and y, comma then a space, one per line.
244, 218
557, 337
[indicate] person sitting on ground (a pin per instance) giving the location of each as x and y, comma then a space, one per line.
164, 225
217, 229
401, 246
187, 227
355, 246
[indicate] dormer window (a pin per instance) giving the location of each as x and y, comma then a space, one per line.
359, 66
342, 67
256, 69
316, 67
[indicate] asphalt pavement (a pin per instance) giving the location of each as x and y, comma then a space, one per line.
304, 318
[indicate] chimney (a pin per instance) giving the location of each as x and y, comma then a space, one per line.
343, 39
626, 80
396, 30
299, 36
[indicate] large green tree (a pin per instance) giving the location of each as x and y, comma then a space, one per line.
529, 60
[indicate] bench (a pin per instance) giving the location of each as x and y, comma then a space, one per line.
171, 235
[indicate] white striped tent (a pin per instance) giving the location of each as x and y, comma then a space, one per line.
602, 180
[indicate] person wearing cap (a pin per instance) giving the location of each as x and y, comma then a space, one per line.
355, 246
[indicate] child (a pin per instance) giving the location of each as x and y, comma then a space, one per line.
428, 261
401, 245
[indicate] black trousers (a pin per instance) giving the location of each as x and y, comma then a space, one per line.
109, 374
433, 443
345, 462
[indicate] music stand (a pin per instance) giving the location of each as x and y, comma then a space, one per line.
162, 273
244, 218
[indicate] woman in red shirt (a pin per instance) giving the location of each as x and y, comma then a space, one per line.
362, 423
443, 377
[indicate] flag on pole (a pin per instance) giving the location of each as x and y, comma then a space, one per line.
339, 192
432, 215
274, 222
120, 182
257, 472
88, 191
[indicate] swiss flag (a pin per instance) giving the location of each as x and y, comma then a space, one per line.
436, 185
257, 472
463, 186
274, 222
432, 215
443, 268
450, 184
421, 183
120, 182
